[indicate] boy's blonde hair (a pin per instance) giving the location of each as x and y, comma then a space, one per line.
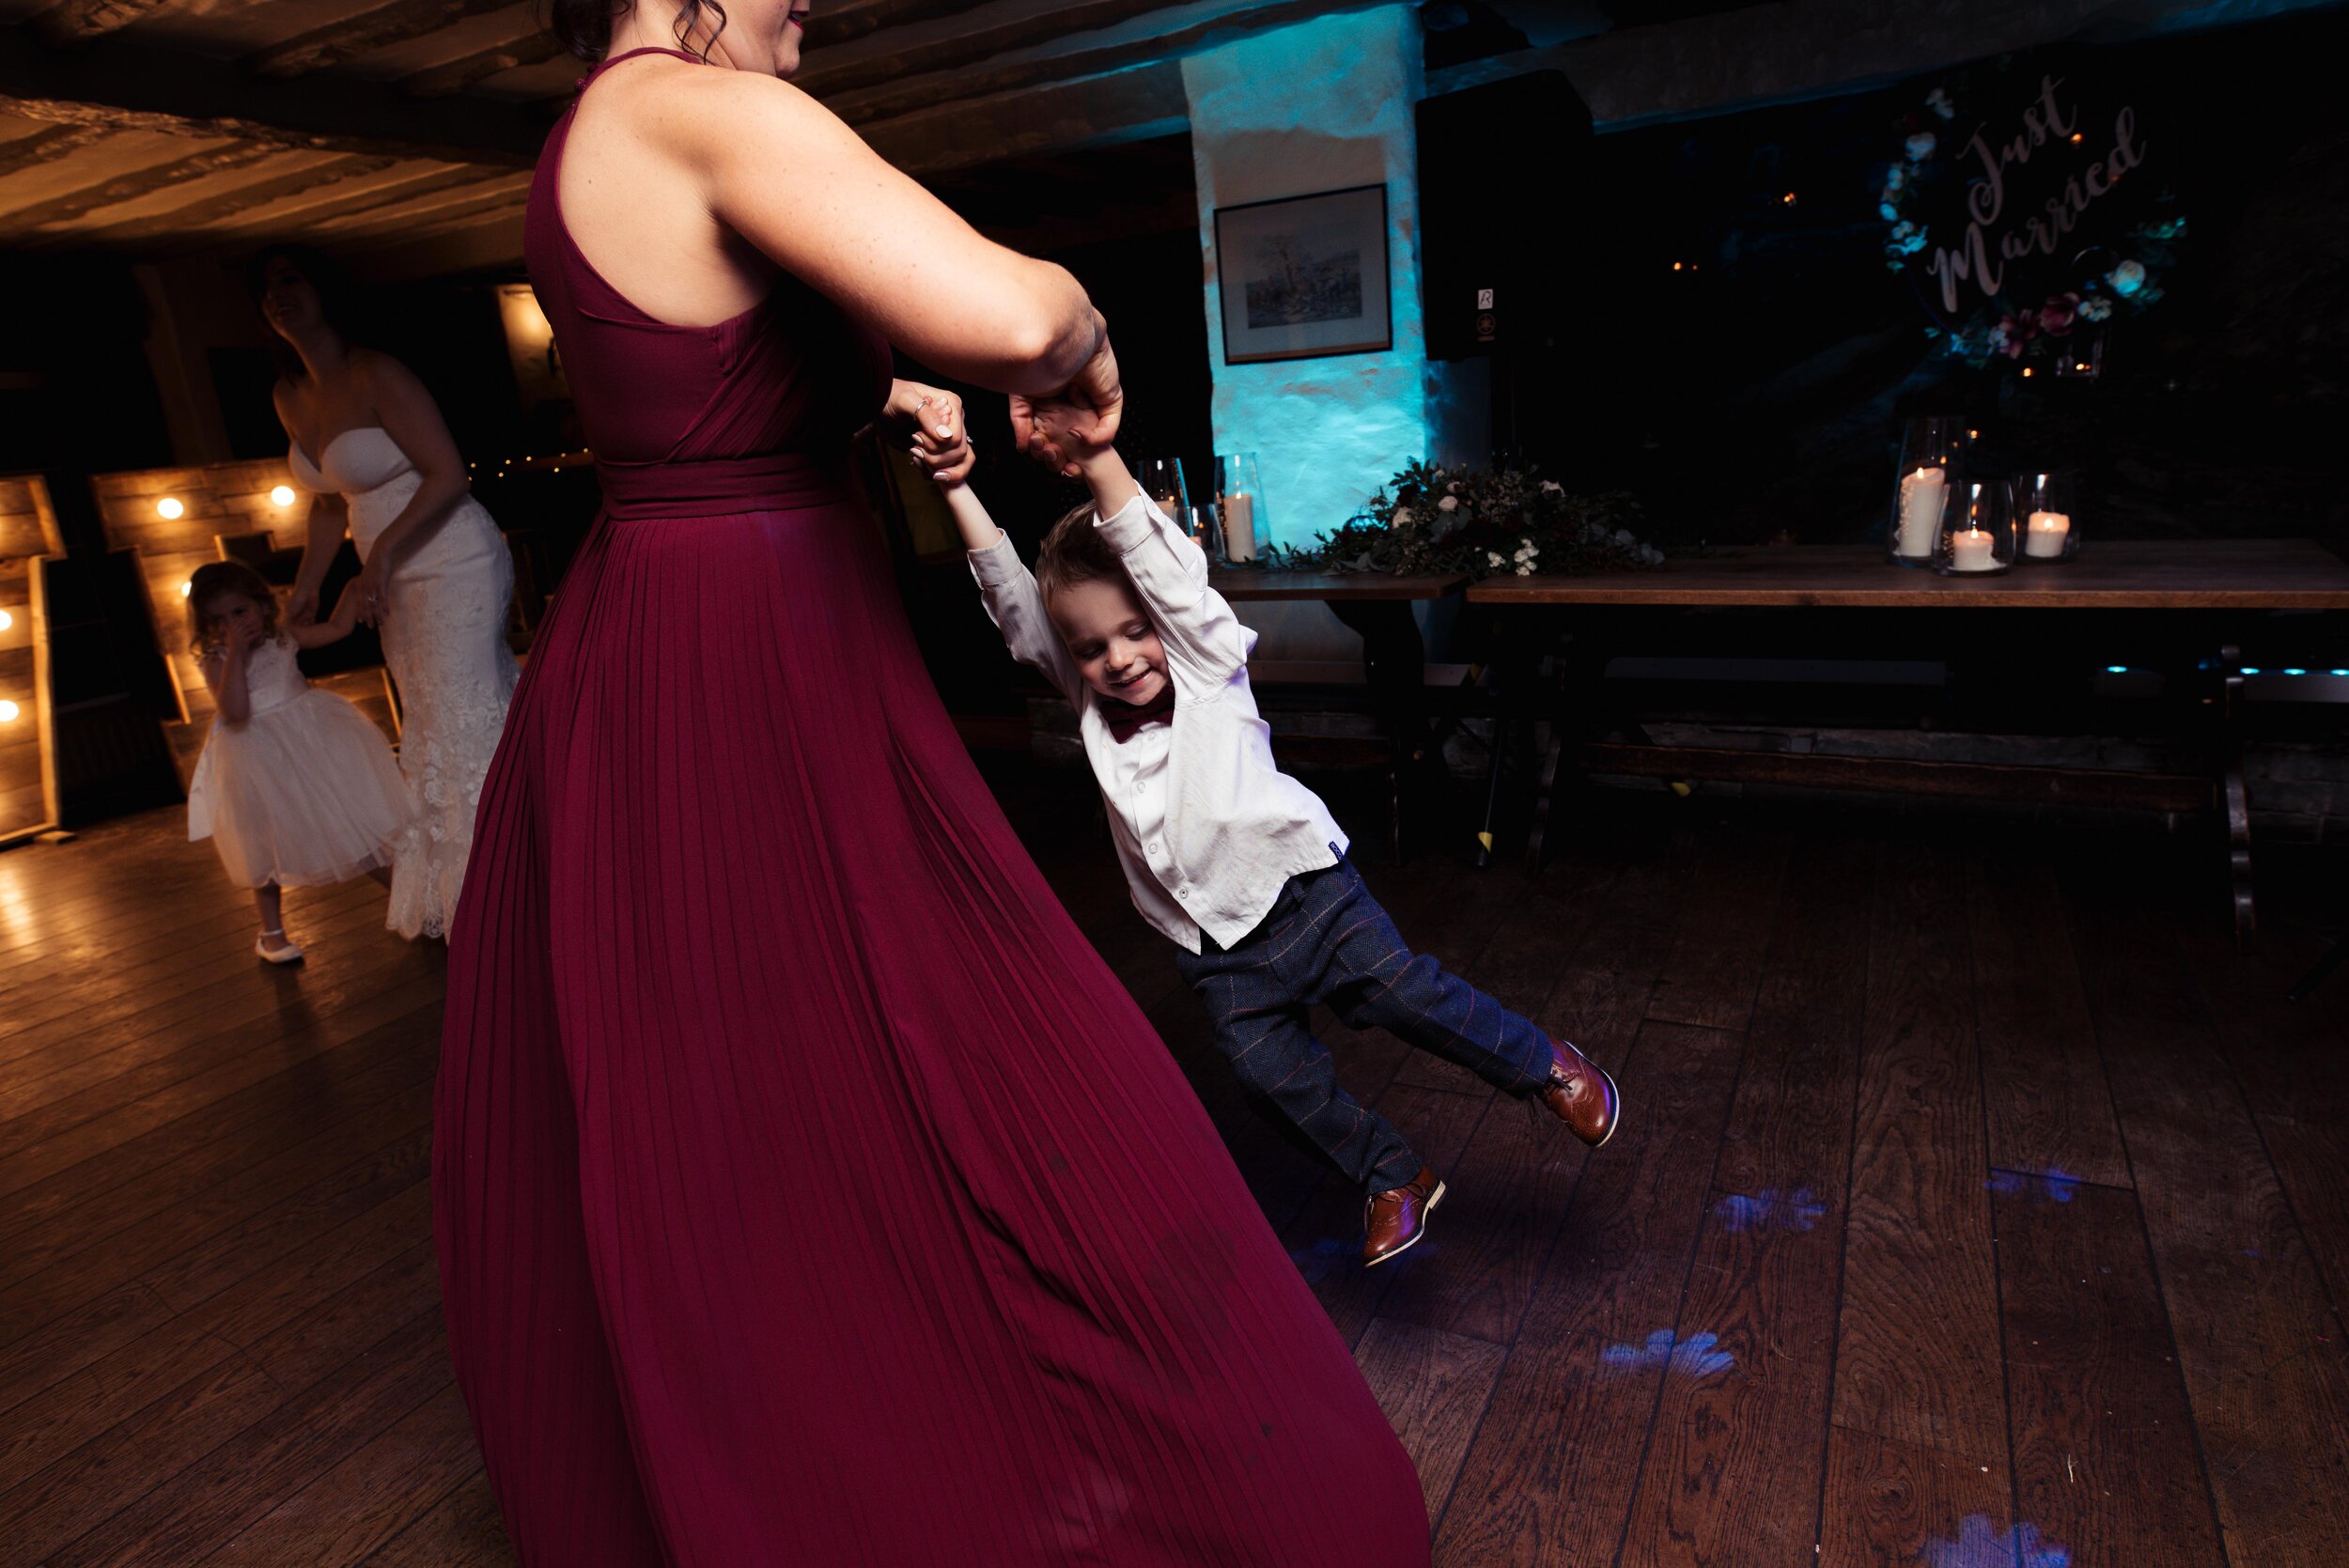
1073, 552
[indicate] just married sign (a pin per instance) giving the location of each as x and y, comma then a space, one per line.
2024, 214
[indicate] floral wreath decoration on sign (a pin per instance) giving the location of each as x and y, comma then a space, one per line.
1485, 523
2110, 282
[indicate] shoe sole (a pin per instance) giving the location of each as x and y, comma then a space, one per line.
1433, 1198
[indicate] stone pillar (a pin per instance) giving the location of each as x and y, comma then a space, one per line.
1319, 106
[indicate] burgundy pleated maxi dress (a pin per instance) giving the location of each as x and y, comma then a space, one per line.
808, 1191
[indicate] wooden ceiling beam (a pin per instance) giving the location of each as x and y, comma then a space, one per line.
199, 219
391, 193
354, 36
124, 84
47, 146
1098, 111
832, 25
997, 29
454, 76
133, 186
421, 209
79, 21
1082, 58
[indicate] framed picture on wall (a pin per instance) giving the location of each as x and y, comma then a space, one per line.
1304, 276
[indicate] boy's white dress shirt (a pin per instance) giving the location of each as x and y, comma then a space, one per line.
1206, 828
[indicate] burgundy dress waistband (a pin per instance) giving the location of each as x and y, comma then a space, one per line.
721, 487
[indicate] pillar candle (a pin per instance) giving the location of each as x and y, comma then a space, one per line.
2046, 534
1922, 495
1971, 551
1239, 528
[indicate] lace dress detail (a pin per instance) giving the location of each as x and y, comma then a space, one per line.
444, 641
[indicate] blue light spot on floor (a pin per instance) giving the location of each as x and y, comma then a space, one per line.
2056, 1185
1693, 1355
1982, 1545
1770, 1209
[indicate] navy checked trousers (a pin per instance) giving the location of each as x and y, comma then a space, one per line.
1328, 941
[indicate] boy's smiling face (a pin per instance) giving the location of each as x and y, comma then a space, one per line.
1112, 640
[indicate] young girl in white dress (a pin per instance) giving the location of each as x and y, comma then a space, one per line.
296, 787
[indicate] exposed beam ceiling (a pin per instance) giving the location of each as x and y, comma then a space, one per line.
172, 124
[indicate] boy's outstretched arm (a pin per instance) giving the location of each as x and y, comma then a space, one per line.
1008, 589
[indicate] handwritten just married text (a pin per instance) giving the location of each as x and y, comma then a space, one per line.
1992, 238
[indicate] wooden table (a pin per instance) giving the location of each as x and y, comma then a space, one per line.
2227, 578
1394, 656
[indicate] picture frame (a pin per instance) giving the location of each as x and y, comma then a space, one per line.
1304, 277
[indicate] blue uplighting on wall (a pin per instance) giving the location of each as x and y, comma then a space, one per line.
1323, 105
1981, 1543
1693, 1355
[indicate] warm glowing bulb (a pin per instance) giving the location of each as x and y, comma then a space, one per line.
283, 495
8, 712
7, 620
169, 509
188, 587
2075, 136
2027, 372
1788, 198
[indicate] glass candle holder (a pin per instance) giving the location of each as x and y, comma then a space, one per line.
1161, 480
1978, 536
2047, 508
1239, 505
1931, 481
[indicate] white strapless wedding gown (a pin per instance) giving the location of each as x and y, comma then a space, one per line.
443, 631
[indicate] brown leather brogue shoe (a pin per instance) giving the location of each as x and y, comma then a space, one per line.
1395, 1219
1579, 1093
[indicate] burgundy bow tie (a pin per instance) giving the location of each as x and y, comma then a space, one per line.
1125, 717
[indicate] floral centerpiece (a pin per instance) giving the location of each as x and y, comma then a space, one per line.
1939, 155
1485, 523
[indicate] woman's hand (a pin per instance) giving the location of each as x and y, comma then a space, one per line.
1096, 390
369, 586
941, 436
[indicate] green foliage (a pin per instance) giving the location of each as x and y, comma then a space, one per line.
1485, 523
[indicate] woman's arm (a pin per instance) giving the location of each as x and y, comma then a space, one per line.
411, 417
223, 672
317, 634
321, 537
323, 530
783, 172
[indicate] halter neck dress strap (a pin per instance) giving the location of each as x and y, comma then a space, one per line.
587, 81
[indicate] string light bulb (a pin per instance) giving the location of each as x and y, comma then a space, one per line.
188, 587
1788, 198
283, 495
170, 510
7, 620
8, 712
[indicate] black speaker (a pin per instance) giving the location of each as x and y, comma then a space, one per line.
1499, 169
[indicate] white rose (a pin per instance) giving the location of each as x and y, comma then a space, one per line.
1449, 502
1492, 558
1402, 518
1526, 569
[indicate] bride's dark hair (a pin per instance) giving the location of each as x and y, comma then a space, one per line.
584, 27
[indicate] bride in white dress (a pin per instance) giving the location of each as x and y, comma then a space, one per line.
436, 578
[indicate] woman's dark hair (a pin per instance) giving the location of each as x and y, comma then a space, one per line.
584, 27
338, 299
216, 580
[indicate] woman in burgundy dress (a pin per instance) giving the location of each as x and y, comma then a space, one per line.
808, 1192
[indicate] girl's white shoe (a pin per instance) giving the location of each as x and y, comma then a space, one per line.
288, 953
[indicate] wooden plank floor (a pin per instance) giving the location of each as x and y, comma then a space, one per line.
1977, 1204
